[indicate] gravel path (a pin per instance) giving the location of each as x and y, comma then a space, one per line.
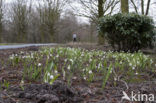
2, 47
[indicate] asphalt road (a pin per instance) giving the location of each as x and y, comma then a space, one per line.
2, 47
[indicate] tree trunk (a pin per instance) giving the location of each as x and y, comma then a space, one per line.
148, 5
101, 39
124, 6
142, 7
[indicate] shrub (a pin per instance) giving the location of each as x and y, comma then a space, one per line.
128, 32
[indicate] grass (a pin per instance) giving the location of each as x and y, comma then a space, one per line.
50, 64
1, 44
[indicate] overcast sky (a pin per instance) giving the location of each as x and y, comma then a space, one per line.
152, 12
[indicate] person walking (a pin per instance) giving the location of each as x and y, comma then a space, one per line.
74, 37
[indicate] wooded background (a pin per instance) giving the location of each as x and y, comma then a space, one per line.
45, 21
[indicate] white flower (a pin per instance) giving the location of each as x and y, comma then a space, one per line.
64, 75
45, 81
90, 72
57, 56
155, 65
11, 57
136, 73
84, 78
130, 64
22, 82
65, 60
133, 68
48, 74
138, 62
74, 78
71, 60
111, 70
90, 60
151, 61
56, 71
68, 67
39, 64
51, 77
115, 79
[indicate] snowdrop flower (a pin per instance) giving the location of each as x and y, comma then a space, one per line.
82, 54
32, 56
48, 74
114, 56
84, 78
90, 60
90, 72
138, 62
133, 68
22, 82
45, 81
57, 56
65, 60
64, 75
111, 70
51, 77
115, 79
39, 64
56, 71
11, 57
68, 67
136, 73
71, 60
120, 62
130, 64
21, 52
74, 78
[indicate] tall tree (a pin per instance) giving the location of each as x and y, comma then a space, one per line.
94, 9
101, 39
142, 7
1, 18
19, 20
48, 14
124, 6
148, 5
143, 3
100, 8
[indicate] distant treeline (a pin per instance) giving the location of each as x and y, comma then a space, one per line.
23, 22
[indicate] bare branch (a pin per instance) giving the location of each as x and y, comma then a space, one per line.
135, 7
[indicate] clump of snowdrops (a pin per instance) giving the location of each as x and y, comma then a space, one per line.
66, 63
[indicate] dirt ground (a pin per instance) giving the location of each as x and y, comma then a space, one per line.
60, 92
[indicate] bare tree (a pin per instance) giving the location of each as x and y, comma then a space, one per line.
1, 18
94, 9
19, 20
66, 27
124, 6
49, 14
142, 5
